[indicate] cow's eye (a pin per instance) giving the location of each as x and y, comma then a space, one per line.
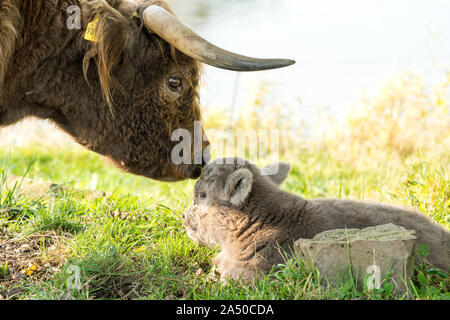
203, 195
174, 83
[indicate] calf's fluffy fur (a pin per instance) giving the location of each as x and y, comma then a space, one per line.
242, 209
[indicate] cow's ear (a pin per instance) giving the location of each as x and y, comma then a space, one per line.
277, 172
238, 186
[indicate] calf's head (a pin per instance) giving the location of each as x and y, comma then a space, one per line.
225, 191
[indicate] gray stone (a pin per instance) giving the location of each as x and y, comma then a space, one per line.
367, 255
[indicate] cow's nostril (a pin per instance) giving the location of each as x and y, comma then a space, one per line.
195, 171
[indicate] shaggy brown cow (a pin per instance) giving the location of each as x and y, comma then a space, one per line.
121, 95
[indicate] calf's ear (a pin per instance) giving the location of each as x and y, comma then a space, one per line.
277, 172
238, 186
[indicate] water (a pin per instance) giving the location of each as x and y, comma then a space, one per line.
341, 47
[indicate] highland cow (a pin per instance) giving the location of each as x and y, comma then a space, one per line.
119, 93
241, 208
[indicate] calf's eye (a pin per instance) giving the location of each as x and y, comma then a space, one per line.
174, 83
203, 195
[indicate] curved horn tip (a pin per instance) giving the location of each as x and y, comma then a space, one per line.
160, 21
257, 65
288, 62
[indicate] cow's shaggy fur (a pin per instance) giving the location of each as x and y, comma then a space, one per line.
253, 221
110, 95
10, 26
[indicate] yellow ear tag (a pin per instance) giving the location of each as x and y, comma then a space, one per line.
135, 14
90, 30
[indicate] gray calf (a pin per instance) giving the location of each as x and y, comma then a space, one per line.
242, 209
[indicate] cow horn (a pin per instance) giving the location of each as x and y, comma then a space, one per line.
163, 23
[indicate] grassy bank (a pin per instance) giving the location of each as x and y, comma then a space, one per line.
130, 244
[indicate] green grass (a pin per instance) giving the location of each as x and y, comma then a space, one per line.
132, 244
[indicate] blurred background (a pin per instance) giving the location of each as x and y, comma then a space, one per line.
342, 48
367, 102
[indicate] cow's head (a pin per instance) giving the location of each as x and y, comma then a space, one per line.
143, 69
